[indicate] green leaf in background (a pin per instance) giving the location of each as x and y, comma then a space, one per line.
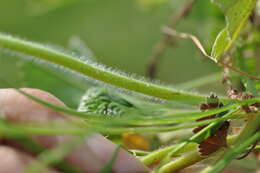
236, 13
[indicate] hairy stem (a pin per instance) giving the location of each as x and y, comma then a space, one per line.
53, 56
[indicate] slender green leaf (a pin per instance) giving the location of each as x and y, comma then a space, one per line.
236, 13
53, 156
108, 167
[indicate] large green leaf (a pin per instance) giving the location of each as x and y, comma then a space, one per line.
236, 14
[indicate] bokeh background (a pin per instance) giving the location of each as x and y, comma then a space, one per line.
120, 34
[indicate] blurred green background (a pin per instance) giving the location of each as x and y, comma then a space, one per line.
120, 33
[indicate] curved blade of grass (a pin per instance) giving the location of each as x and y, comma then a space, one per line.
108, 167
133, 129
61, 128
140, 120
122, 121
31, 146
133, 120
53, 156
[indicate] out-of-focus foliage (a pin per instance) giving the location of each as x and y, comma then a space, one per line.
236, 13
122, 34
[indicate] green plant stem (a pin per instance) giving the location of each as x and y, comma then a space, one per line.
108, 166
49, 129
139, 120
232, 154
251, 127
54, 155
196, 138
138, 153
243, 141
192, 158
185, 161
96, 72
189, 159
160, 154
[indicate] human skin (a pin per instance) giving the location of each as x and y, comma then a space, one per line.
90, 157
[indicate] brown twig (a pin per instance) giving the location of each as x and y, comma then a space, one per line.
166, 41
198, 44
